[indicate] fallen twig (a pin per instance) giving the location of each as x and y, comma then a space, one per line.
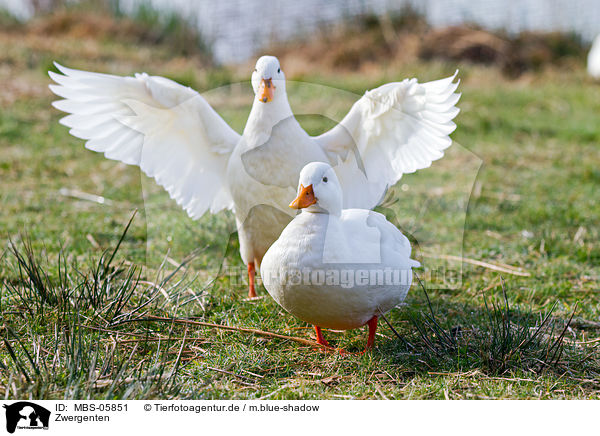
494, 284
79, 195
504, 268
116, 332
380, 392
591, 341
152, 339
585, 323
221, 327
92, 241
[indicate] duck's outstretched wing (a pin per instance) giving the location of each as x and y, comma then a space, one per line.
397, 128
167, 129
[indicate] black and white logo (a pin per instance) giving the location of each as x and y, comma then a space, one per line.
26, 415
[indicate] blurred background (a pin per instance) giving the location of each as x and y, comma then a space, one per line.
237, 30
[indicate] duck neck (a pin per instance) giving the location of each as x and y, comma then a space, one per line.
315, 208
264, 116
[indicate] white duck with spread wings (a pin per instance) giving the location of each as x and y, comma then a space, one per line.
174, 136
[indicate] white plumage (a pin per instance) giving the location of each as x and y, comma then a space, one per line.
336, 268
174, 136
593, 61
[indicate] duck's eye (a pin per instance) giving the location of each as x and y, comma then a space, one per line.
255, 70
325, 179
279, 70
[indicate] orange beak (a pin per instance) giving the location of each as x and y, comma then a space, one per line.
265, 90
304, 199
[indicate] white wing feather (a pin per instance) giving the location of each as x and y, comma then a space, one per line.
167, 129
395, 129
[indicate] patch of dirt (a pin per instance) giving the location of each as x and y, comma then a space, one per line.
464, 44
103, 27
84, 25
525, 52
358, 45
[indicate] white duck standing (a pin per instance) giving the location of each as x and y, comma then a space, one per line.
336, 268
174, 136
593, 60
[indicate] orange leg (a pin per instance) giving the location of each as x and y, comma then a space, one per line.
372, 323
251, 275
320, 339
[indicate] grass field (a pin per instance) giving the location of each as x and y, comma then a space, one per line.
87, 309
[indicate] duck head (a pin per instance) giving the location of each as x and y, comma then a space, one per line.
268, 81
319, 190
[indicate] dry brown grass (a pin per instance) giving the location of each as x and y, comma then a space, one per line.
360, 46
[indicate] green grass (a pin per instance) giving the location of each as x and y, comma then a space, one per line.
74, 317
